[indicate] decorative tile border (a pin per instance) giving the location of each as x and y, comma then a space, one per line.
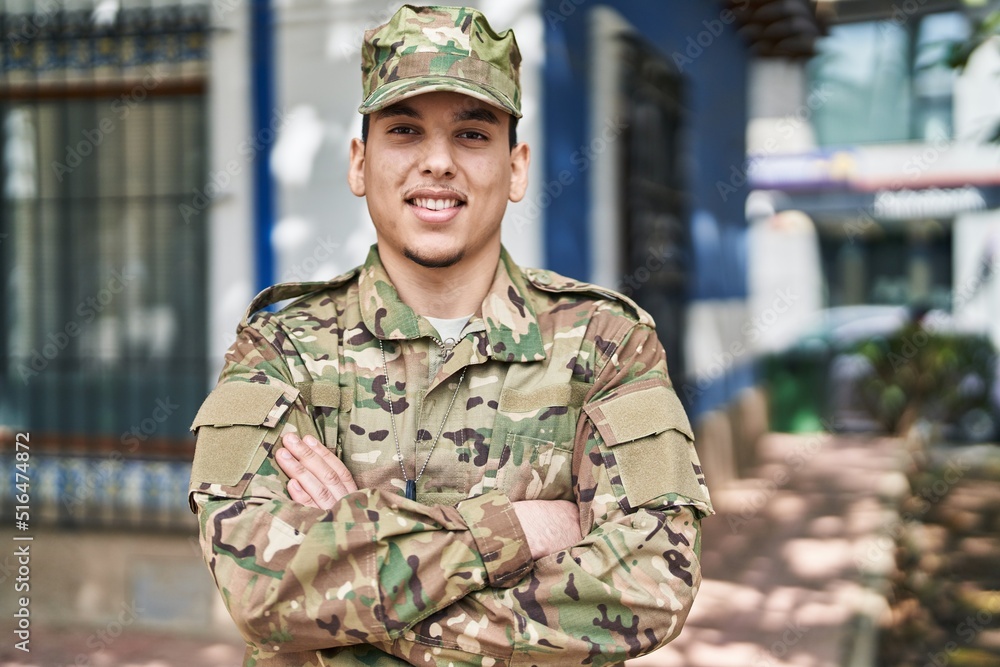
75, 40
86, 491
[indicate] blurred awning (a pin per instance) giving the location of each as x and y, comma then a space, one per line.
853, 11
778, 28
831, 184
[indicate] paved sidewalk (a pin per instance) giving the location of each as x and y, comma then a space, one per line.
783, 561
134, 647
790, 560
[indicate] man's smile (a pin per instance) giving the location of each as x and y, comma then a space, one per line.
435, 206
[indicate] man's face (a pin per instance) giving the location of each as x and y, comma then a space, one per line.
437, 171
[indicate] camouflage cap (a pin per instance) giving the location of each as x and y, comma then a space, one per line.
426, 49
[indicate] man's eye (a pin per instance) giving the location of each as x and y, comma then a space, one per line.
402, 130
472, 134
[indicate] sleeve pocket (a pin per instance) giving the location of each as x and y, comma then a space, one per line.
230, 427
651, 442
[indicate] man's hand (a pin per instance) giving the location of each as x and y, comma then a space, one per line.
549, 525
318, 477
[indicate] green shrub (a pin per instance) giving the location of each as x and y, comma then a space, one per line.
919, 372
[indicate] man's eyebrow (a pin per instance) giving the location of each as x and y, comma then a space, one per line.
399, 110
477, 113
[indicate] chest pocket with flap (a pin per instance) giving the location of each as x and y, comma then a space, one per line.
531, 449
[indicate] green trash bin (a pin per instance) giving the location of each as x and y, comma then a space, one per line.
797, 386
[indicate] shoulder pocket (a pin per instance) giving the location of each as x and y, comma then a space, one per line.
230, 428
650, 439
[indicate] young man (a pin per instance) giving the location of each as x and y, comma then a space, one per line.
440, 457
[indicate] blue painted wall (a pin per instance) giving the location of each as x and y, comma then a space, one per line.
712, 59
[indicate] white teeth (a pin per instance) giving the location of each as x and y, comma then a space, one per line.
435, 204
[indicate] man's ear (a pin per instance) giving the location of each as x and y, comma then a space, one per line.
356, 170
520, 159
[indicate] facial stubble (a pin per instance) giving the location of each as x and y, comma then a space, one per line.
429, 263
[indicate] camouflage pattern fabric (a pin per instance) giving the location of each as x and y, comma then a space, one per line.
426, 49
566, 397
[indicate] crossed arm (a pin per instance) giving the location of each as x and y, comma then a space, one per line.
317, 478
307, 562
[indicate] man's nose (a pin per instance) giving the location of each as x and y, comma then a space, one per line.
438, 159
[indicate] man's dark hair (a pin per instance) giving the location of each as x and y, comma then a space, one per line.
512, 134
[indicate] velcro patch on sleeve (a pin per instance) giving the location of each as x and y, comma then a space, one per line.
651, 440
246, 403
231, 425
642, 413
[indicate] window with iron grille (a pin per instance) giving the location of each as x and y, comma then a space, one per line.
655, 196
103, 281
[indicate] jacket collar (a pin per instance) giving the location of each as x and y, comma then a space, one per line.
506, 316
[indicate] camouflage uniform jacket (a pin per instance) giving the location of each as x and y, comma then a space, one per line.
566, 396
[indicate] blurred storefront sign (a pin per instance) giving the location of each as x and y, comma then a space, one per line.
884, 167
897, 224
887, 205
930, 203
891, 183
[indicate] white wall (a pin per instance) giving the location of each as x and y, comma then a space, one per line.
977, 97
230, 231
976, 302
780, 107
322, 228
785, 281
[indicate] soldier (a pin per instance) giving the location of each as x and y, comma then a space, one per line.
440, 457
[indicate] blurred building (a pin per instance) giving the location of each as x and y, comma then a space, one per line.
874, 167
162, 162
104, 297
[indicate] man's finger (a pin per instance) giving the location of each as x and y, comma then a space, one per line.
335, 464
320, 493
315, 468
299, 495
322, 463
